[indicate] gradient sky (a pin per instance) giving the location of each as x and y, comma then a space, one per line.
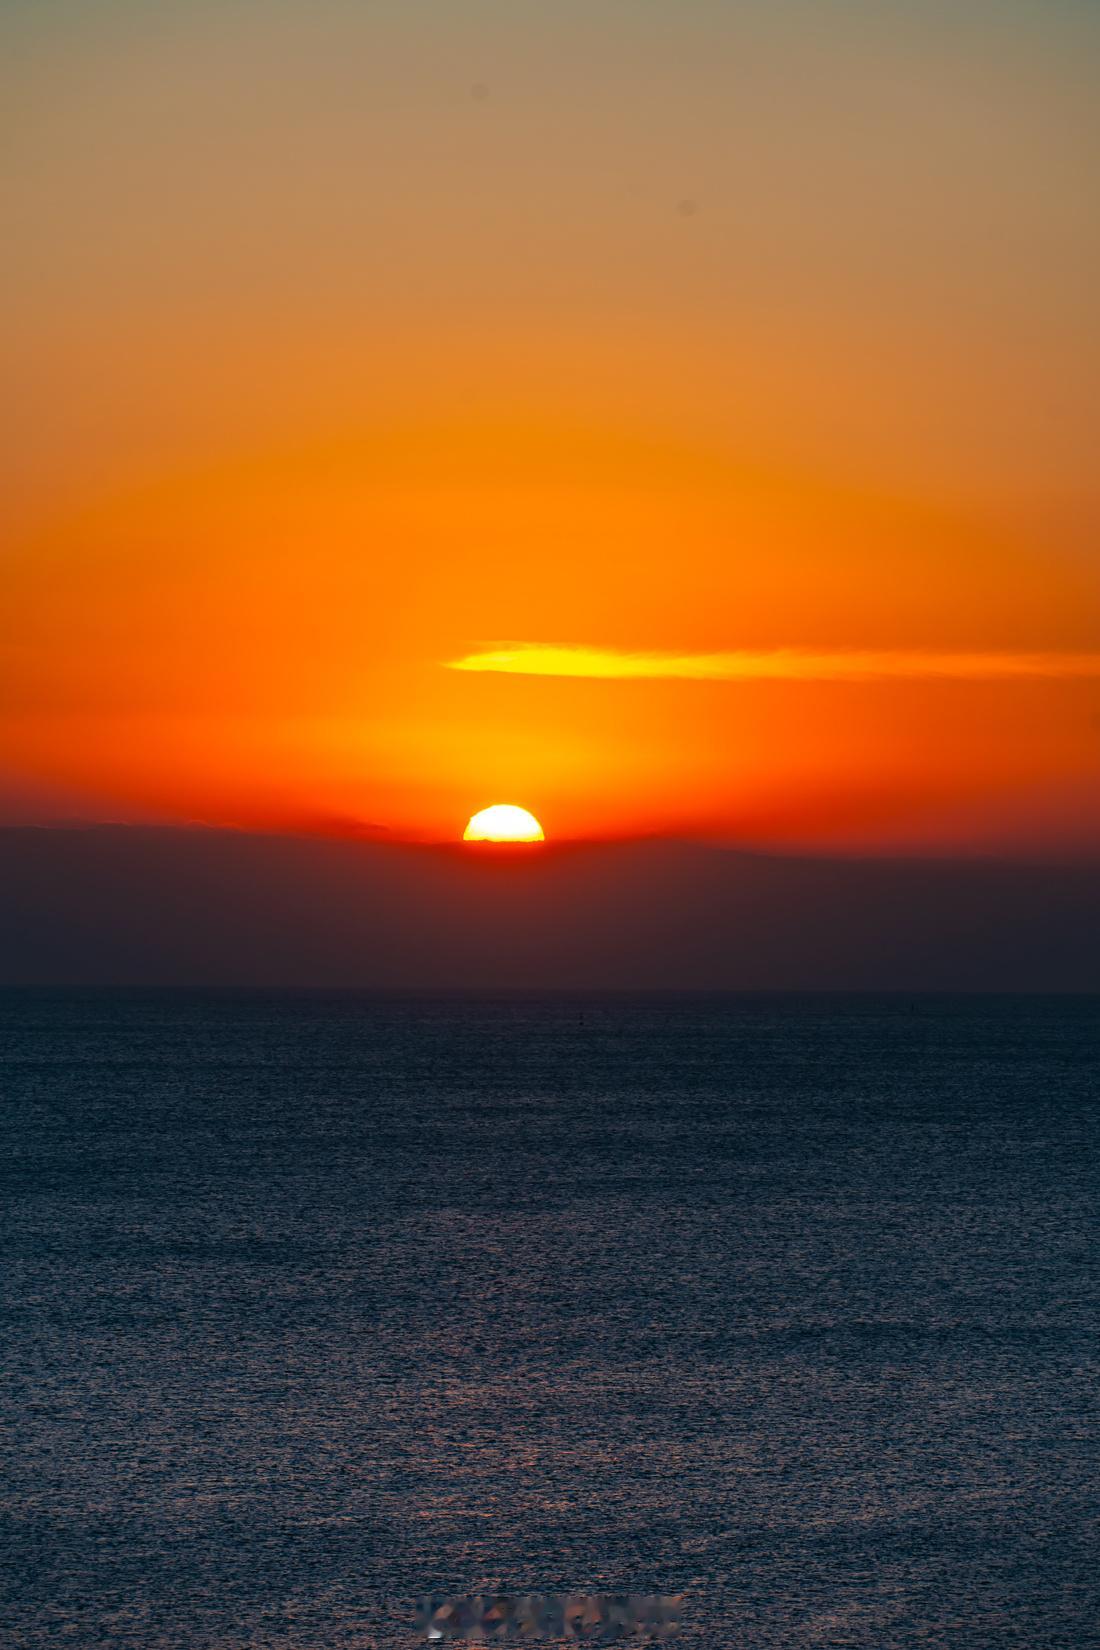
349, 343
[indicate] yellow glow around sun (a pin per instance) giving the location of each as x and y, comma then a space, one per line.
503, 823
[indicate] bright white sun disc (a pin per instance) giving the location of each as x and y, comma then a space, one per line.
503, 822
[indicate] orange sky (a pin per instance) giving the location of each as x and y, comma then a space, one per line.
346, 346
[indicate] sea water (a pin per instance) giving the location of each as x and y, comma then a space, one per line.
316, 1305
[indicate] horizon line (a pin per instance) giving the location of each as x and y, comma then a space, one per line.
894, 852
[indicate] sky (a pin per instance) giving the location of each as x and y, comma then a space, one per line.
675, 418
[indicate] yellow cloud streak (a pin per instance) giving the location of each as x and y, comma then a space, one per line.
784, 664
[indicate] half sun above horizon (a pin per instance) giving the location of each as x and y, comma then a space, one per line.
503, 822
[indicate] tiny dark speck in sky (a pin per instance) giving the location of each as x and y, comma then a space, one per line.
479, 92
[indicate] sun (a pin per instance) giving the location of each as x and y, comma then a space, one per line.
503, 822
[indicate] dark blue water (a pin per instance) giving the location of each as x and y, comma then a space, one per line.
314, 1304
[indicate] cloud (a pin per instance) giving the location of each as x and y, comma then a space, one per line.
782, 664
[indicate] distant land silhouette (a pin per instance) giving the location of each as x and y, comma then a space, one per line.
124, 905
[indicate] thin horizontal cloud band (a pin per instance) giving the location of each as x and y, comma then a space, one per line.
784, 664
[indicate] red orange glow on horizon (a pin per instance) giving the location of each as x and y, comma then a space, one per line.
421, 451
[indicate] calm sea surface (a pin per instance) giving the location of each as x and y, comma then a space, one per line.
313, 1304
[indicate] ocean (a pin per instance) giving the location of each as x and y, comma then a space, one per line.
315, 1304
